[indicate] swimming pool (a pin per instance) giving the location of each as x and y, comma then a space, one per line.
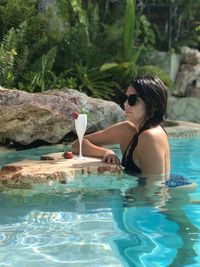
91, 224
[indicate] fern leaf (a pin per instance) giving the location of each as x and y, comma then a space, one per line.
9, 40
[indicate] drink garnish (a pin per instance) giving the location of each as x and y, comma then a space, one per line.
75, 115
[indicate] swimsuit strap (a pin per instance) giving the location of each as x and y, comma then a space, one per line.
130, 148
163, 129
133, 144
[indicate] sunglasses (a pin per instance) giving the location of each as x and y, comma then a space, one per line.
132, 99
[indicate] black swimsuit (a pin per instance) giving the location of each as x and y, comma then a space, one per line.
131, 168
127, 160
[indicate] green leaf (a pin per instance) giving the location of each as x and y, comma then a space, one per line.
108, 66
135, 56
129, 26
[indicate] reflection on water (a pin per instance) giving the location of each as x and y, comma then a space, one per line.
56, 225
105, 221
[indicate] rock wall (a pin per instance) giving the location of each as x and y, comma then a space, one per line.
184, 102
184, 109
188, 76
26, 118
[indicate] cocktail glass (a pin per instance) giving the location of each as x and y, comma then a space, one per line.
80, 126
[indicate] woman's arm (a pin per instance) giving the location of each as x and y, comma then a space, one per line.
115, 134
92, 150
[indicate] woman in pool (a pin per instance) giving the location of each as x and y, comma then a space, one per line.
142, 139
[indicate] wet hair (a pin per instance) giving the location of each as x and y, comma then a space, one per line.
154, 94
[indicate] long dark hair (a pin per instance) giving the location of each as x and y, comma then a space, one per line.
154, 93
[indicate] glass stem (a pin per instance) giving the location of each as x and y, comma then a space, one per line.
80, 147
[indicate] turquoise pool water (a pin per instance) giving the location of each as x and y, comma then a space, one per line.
103, 221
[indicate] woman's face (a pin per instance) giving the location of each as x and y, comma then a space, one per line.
135, 113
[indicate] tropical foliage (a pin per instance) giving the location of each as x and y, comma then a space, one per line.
88, 45
13, 55
182, 22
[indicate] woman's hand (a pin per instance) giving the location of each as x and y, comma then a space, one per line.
110, 157
92, 150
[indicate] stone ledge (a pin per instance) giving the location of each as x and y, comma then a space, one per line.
28, 172
184, 129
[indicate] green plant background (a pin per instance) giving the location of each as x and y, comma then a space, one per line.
91, 46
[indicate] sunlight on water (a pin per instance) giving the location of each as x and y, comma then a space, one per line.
83, 227
103, 220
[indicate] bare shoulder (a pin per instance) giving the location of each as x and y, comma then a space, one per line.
152, 136
127, 128
123, 126
127, 124
124, 131
153, 151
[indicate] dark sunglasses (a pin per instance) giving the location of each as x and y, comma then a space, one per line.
132, 99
